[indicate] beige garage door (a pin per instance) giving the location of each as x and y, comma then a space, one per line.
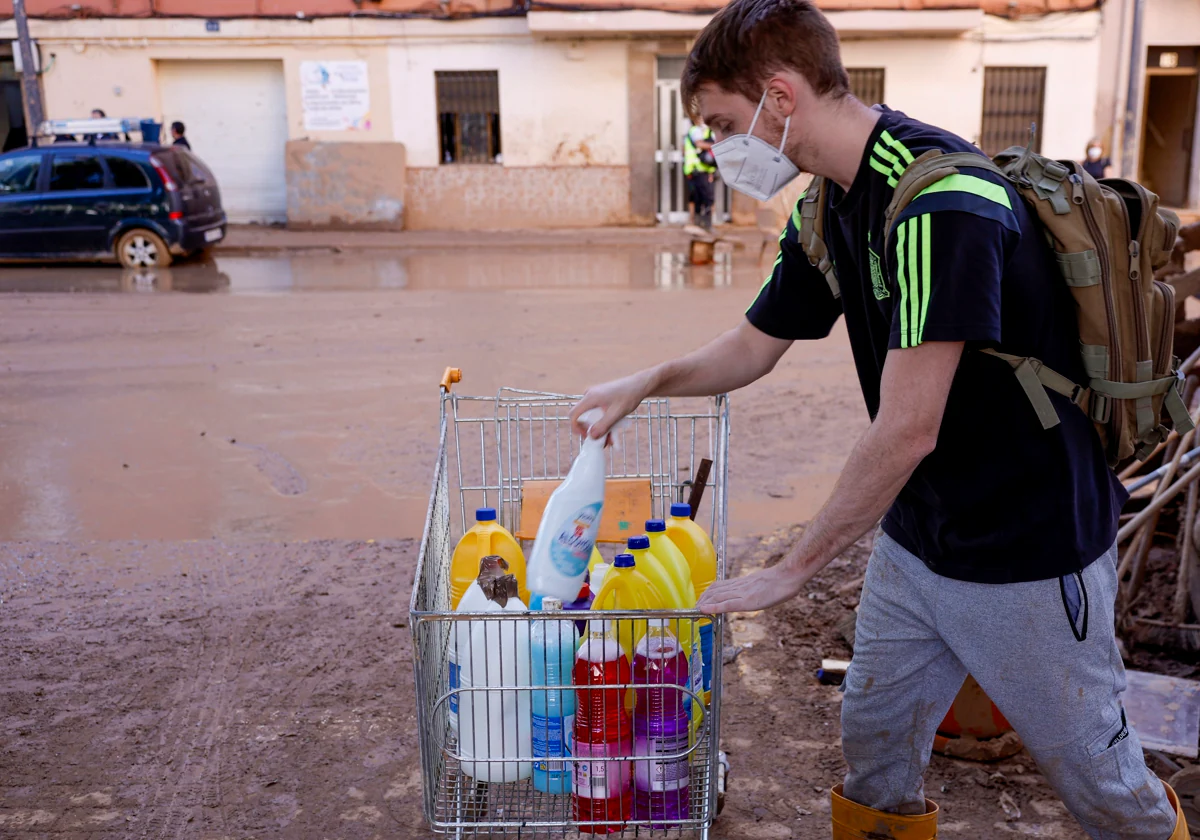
236, 118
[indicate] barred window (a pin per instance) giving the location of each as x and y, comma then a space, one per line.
468, 105
1012, 101
866, 83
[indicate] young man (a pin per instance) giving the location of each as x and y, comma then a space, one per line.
996, 552
177, 130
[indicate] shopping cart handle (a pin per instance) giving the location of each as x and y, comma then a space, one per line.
451, 376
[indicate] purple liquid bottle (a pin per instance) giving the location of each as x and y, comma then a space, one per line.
660, 730
582, 602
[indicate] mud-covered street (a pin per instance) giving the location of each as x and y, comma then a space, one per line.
210, 504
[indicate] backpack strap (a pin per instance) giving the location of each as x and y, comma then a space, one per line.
928, 169
811, 232
1169, 386
1035, 378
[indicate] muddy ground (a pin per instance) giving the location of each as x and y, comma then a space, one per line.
210, 505
212, 690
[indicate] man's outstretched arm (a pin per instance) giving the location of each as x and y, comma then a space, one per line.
728, 362
916, 382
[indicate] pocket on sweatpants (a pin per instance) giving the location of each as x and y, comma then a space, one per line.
1118, 771
1075, 603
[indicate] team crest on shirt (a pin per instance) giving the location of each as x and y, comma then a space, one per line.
877, 285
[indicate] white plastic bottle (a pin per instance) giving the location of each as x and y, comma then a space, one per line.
567, 532
473, 600
494, 726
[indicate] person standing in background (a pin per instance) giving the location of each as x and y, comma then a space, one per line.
177, 130
698, 168
1094, 164
98, 114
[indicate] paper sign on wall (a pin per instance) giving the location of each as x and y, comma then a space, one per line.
336, 95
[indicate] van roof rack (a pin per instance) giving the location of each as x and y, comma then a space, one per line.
92, 128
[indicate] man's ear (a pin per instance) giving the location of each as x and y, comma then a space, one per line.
782, 96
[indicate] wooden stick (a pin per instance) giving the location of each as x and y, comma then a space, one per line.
1135, 557
1190, 361
1158, 504
1187, 559
1154, 622
1130, 471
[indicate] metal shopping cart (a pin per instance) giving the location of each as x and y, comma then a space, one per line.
502, 451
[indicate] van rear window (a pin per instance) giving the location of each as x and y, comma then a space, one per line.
194, 170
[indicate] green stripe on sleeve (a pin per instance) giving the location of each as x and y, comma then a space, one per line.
926, 274
796, 214
901, 284
900, 148
970, 184
914, 279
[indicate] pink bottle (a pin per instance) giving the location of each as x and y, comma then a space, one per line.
660, 728
603, 790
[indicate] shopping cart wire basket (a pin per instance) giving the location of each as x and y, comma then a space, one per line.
497, 452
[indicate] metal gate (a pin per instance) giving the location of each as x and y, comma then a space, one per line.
1012, 102
670, 127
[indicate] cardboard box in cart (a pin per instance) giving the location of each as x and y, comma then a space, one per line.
507, 451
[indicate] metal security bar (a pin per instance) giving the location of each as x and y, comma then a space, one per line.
468, 103
1013, 99
475, 777
866, 83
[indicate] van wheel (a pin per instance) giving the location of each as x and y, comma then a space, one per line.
140, 248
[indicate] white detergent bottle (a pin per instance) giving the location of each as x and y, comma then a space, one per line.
567, 532
473, 600
494, 725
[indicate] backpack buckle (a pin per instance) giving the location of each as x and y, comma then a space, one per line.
1054, 170
1101, 408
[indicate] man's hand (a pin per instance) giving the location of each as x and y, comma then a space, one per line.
730, 361
617, 399
758, 591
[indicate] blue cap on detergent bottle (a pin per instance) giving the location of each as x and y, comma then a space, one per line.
681, 509
624, 561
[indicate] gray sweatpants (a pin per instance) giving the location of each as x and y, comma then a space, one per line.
1043, 651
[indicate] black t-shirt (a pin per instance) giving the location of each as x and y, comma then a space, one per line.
1000, 499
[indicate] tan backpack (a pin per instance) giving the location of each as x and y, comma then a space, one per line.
1108, 238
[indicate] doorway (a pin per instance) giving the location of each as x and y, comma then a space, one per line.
1168, 129
235, 113
670, 127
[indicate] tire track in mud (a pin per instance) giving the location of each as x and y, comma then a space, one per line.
190, 770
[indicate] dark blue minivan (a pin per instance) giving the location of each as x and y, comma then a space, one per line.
141, 204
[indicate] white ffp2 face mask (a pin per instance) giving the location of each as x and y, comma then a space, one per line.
753, 166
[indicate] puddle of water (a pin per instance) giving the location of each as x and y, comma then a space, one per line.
510, 268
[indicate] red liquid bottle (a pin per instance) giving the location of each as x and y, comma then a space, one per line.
603, 790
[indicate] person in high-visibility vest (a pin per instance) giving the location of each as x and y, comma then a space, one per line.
698, 168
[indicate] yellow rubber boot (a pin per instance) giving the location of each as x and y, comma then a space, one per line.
852, 821
1181, 827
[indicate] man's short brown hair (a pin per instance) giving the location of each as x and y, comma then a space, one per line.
749, 40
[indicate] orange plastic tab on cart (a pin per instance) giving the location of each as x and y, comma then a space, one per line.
626, 507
